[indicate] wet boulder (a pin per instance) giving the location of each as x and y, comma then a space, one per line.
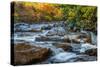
91, 52
52, 38
84, 37
64, 46
56, 31
27, 54
76, 41
42, 38
28, 30
47, 27
87, 46
66, 39
21, 27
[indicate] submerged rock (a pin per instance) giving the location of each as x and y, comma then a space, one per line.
27, 54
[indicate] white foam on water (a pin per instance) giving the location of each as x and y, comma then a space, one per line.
63, 56
87, 46
27, 38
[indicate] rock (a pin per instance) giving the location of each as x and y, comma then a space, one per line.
22, 46
82, 58
86, 46
62, 57
30, 30
52, 38
66, 39
87, 40
36, 26
33, 30
48, 27
24, 27
71, 35
22, 34
84, 37
42, 38
64, 46
56, 31
91, 52
21, 26
77, 41
27, 54
73, 38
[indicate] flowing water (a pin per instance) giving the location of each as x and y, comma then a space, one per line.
55, 33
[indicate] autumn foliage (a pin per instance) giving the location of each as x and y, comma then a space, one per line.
31, 12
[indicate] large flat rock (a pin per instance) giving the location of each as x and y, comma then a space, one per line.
27, 54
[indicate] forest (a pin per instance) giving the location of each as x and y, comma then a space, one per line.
78, 15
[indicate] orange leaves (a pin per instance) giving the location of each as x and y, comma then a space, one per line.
44, 7
58, 12
28, 5
38, 11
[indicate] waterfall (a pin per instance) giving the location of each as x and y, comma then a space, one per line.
93, 38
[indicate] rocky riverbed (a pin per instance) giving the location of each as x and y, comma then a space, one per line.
48, 43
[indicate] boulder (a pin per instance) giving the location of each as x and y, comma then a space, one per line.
56, 31
91, 52
22, 46
30, 30
21, 26
26, 54
85, 38
87, 46
42, 38
49, 38
64, 46
77, 41
48, 27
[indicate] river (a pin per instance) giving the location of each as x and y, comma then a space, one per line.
47, 35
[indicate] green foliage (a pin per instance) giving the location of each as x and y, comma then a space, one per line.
82, 16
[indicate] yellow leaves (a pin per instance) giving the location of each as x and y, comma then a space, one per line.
58, 12
44, 7
48, 9
71, 14
28, 4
